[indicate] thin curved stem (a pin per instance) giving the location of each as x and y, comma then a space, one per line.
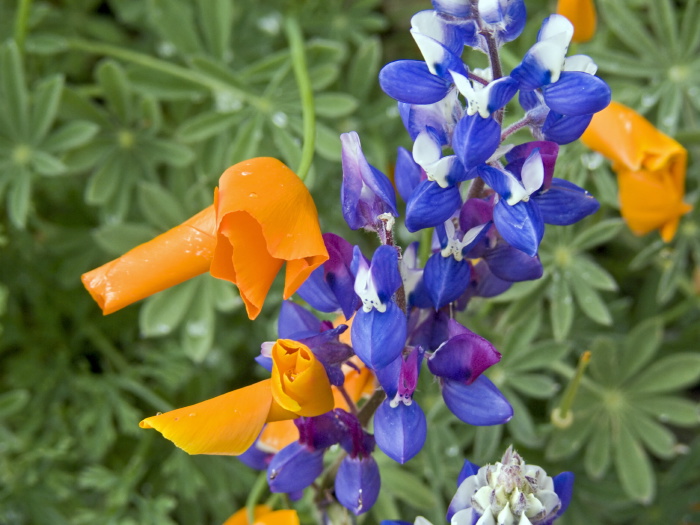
301, 73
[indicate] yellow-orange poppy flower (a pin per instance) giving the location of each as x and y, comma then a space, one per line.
581, 13
262, 217
264, 515
230, 423
650, 167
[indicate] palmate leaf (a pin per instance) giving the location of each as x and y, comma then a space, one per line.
13, 89
633, 466
45, 106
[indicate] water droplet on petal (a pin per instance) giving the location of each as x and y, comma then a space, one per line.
253, 195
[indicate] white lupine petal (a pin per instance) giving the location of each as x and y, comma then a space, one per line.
266, 348
550, 55
532, 172
500, 152
425, 150
556, 25
517, 191
505, 517
481, 500
486, 519
433, 52
420, 520
438, 171
426, 23
582, 63
524, 520
463, 517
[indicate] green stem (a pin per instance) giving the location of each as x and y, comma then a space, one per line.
301, 73
254, 496
560, 416
21, 22
197, 77
424, 248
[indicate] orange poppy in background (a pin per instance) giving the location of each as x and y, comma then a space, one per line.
581, 13
262, 217
264, 515
230, 423
650, 167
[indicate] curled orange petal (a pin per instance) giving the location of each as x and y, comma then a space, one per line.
265, 217
264, 516
581, 13
171, 258
651, 169
227, 425
277, 435
299, 380
240, 517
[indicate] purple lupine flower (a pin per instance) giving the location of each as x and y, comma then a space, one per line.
331, 286
510, 492
407, 173
294, 468
400, 427
366, 193
459, 363
379, 327
357, 483
505, 17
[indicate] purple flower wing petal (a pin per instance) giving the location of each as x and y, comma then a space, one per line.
378, 338
468, 469
317, 293
564, 487
446, 279
410, 81
400, 431
513, 265
478, 404
294, 468
520, 225
385, 272
565, 203
475, 139
577, 93
407, 174
357, 484
564, 129
463, 357
431, 205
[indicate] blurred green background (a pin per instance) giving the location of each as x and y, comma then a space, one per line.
117, 118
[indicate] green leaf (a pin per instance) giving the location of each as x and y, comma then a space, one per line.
597, 457
673, 272
116, 89
561, 307
116, 239
198, 330
168, 152
589, 300
536, 386
174, 21
327, 142
534, 356
323, 76
164, 311
593, 274
46, 164
19, 197
487, 442
645, 256
408, 488
245, 145
217, 18
597, 234
13, 401
623, 64
690, 36
45, 107
659, 440
633, 467
335, 105
104, 183
671, 410
151, 114
628, 28
606, 188
46, 44
640, 346
523, 289
604, 365
522, 427
289, 146
566, 442
14, 90
205, 125
225, 296
164, 86
364, 67
663, 19
159, 206
71, 135
668, 374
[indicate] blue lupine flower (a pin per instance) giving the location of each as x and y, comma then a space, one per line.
379, 327
357, 483
431, 205
506, 17
427, 152
509, 492
407, 173
366, 193
439, 118
400, 427
475, 139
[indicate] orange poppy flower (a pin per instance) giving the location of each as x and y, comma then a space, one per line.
581, 13
264, 515
650, 167
230, 423
262, 217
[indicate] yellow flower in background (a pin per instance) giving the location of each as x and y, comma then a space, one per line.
263, 217
264, 515
581, 13
650, 167
230, 423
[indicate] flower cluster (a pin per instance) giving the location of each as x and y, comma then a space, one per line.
399, 304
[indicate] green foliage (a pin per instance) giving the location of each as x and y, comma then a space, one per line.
117, 118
